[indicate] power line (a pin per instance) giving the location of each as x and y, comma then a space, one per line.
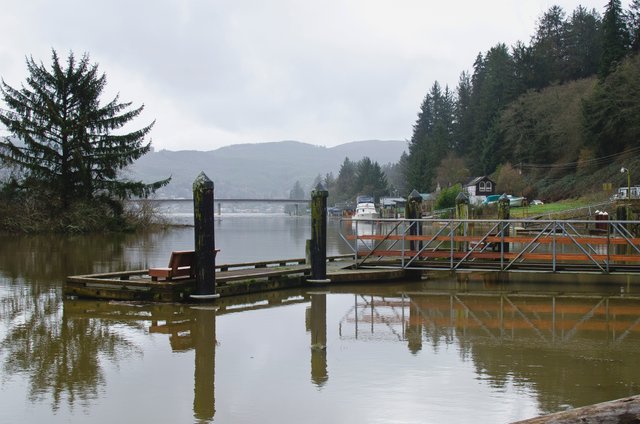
598, 160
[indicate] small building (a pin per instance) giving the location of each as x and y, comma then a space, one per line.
479, 188
392, 207
428, 203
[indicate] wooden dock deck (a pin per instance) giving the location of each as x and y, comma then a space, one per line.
231, 279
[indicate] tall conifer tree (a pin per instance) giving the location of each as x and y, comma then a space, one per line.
615, 38
69, 145
634, 25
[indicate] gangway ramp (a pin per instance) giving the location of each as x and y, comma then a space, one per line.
497, 245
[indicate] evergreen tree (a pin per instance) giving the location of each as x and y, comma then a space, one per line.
524, 67
634, 25
296, 193
494, 87
329, 181
69, 147
612, 114
615, 38
549, 47
432, 138
463, 123
345, 183
394, 172
583, 44
370, 179
416, 172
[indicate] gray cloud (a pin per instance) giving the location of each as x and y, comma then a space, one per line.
219, 72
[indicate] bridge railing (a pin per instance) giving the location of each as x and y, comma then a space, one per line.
502, 245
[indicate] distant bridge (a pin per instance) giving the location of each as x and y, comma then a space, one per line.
230, 200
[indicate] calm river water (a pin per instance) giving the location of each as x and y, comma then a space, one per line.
411, 352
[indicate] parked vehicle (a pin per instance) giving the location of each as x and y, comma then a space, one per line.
514, 201
622, 193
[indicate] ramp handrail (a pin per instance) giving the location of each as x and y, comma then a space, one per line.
491, 244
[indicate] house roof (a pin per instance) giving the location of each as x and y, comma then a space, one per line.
391, 201
476, 180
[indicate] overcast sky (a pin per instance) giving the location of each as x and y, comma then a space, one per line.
220, 72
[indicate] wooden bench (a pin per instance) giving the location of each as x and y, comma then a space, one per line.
181, 264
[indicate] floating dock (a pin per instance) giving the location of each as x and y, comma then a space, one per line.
230, 280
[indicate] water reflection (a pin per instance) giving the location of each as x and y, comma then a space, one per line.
569, 350
427, 351
56, 354
188, 328
317, 326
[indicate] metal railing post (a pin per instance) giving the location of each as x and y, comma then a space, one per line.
553, 246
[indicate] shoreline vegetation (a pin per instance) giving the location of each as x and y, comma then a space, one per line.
30, 215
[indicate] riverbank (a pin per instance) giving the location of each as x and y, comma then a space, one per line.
623, 411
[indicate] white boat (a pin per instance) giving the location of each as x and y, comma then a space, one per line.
365, 208
515, 201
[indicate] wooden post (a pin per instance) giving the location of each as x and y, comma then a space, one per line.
205, 243
318, 243
462, 212
504, 214
412, 211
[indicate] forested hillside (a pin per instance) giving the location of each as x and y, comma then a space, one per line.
553, 118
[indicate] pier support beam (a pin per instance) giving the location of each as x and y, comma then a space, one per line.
412, 210
205, 243
318, 243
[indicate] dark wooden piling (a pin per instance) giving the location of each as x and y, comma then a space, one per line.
318, 243
412, 211
462, 212
504, 214
205, 243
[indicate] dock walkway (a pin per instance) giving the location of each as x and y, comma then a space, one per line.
231, 279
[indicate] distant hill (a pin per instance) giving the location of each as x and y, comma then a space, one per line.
262, 170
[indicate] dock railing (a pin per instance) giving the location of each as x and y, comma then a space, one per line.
500, 245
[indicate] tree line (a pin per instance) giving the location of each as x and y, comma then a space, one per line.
501, 113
